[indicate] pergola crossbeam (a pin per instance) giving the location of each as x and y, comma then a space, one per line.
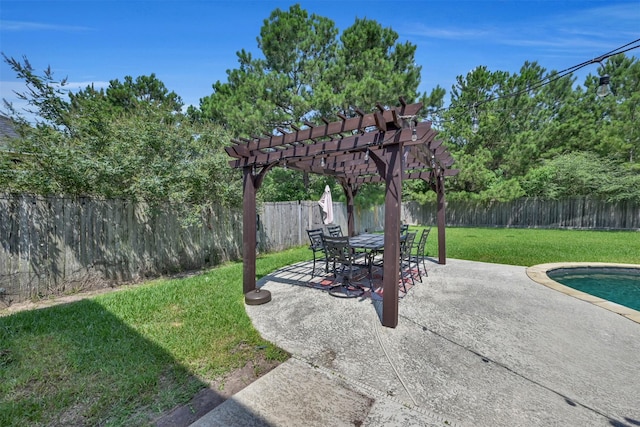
328, 128
358, 142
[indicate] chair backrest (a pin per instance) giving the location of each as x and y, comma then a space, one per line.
316, 238
422, 243
404, 228
338, 249
407, 245
334, 230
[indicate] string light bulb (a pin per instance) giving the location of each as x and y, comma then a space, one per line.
604, 89
285, 165
323, 163
475, 124
366, 155
414, 134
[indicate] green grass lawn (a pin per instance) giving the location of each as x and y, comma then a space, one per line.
527, 247
124, 358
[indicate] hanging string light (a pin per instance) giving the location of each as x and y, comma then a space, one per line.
414, 129
604, 89
366, 155
413, 123
603, 85
475, 124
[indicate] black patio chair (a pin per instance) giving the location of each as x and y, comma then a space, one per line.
404, 228
344, 265
407, 259
334, 231
421, 252
316, 237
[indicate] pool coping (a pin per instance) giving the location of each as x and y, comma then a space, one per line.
538, 273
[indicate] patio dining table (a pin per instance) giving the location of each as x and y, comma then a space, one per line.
363, 246
367, 242
370, 244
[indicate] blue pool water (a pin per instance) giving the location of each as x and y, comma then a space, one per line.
615, 284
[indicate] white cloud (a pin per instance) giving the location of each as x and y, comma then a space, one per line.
565, 44
8, 89
622, 14
39, 26
588, 29
449, 33
72, 86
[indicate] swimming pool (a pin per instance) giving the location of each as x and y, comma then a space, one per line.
591, 289
616, 284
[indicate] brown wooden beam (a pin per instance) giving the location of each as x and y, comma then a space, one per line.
391, 260
350, 192
441, 218
380, 122
349, 124
325, 148
248, 231
363, 171
434, 143
352, 143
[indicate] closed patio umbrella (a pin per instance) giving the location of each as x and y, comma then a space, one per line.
326, 204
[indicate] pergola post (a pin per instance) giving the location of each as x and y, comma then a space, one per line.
249, 229
350, 194
442, 246
392, 206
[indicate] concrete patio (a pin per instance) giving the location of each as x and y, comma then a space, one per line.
477, 344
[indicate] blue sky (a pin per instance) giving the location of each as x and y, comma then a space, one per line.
190, 44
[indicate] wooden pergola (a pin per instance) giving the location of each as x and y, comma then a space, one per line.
388, 145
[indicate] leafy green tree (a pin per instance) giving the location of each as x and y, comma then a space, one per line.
582, 174
276, 90
511, 110
370, 66
128, 141
305, 73
145, 90
532, 123
617, 132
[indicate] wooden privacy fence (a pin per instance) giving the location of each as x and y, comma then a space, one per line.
52, 245
284, 224
578, 213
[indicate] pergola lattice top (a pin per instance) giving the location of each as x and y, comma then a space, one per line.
351, 149
388, 145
